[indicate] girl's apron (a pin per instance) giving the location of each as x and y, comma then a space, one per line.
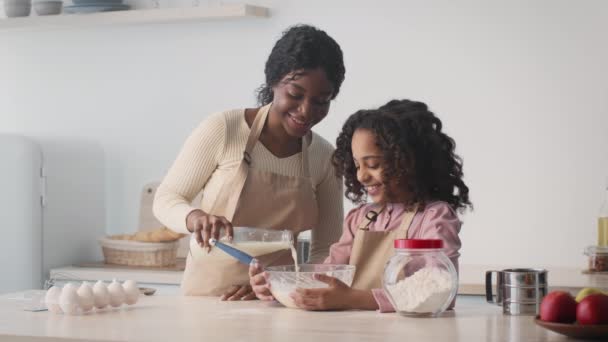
254, 198
372, 249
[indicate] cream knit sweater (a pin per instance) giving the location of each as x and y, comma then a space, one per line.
217, 145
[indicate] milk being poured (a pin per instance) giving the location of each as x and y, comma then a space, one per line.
283, 294
294, 256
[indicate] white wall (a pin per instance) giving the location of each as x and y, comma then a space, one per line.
521, 85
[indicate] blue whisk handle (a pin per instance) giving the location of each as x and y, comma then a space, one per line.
236, 253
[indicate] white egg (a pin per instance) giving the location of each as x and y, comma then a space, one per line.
68, 300
51, 299
131, 291
86, 296
117, 294
101, 295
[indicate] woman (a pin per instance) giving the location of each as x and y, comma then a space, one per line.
261, 167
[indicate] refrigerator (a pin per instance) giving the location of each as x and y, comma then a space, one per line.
51, 207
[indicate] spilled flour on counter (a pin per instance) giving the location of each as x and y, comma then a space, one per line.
427, 290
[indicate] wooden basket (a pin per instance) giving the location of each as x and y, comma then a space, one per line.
134, 253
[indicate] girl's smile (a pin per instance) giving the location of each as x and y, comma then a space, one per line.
374, 190
369, 162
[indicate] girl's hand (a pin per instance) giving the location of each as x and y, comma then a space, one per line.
259, 283
338, 296
205, 226
238, 292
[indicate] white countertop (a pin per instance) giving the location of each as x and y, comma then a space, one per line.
471, 279
177, 318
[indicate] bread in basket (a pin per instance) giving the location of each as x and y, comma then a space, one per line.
157, 248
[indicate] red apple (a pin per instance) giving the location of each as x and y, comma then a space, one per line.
558, 306
593, 309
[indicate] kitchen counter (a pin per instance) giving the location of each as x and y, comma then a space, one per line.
176, 318
471, 279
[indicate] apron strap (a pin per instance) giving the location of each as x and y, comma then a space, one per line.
406, 222
370, 216
231, 198
305, 143
254, 136
371, 250
256, 130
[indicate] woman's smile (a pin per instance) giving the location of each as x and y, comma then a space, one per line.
298, 124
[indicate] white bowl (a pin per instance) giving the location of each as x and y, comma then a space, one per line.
17, 9
18, 2
48, 7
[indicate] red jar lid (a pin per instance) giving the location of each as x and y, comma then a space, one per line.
418, 243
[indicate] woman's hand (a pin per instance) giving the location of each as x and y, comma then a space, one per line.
238, 292
205, 226
259, 283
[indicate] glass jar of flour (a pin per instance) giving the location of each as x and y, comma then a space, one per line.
420, 279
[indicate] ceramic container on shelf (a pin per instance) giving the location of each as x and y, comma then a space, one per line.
48, 7
17, 8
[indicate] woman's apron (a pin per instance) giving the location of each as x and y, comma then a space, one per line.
372, 249
254, 198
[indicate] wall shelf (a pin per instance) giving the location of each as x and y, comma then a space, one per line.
132, 17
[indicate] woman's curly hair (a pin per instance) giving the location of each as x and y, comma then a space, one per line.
302, 47
416, 153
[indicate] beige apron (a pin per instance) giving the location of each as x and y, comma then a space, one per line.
254, 198
372, 249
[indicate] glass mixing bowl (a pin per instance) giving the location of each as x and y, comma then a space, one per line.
284, 279
253, 241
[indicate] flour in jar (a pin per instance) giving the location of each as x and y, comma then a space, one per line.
425, 291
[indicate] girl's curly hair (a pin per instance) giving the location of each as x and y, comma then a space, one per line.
416, 153
302, 47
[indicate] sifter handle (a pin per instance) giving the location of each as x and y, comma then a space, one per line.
489, 295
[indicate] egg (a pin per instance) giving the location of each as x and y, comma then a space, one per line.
51, 299
86, 296
68, 300
117, 294
101, 295
131, 291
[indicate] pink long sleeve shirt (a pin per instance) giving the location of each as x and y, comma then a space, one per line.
437, 221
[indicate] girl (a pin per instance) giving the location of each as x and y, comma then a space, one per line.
399, 157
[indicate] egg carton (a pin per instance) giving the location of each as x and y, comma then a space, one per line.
72, 299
